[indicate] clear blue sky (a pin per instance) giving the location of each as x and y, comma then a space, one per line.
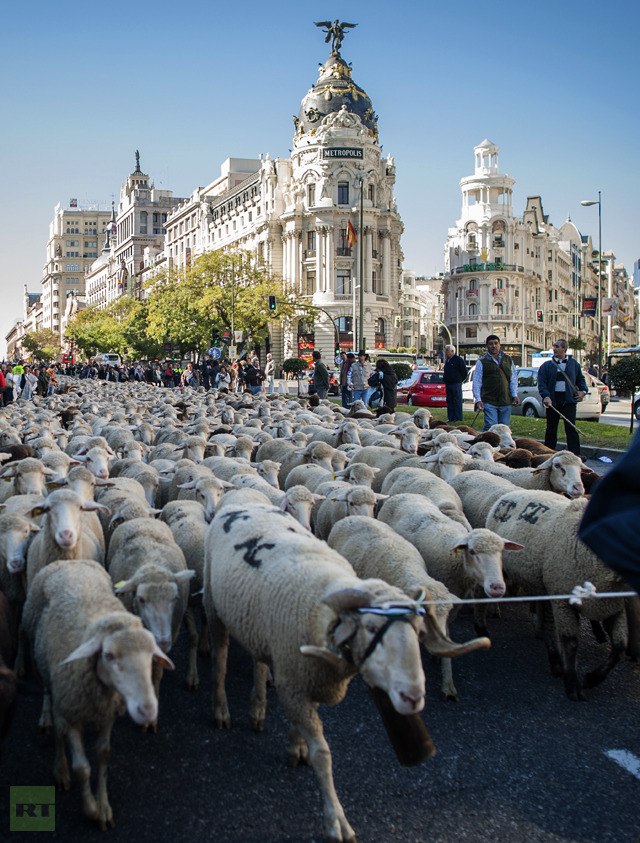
555, 85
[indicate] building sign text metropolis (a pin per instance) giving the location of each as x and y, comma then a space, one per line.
342, 152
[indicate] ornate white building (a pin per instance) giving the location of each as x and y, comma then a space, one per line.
520, 278
294, 215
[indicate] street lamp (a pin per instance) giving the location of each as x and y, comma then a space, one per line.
598, 202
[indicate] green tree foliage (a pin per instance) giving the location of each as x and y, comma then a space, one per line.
186, 305
294, 365
625, 375
123, 324
577, 344
43, 345
402, 370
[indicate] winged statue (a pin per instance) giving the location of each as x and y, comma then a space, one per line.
335, 32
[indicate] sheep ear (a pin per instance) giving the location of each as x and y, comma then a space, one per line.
431, 458
321, 653
462, 544
382, 497
125, 586
225, 484
81, 457
284, 503
184, 576
9, 471
162, 658
4, 457
34, 528
89, 648
513, 546
92, 506
317, 498
37, 511
190, 485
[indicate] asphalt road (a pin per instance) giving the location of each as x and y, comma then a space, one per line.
516, 760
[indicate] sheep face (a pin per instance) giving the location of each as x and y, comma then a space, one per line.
482, 558
97, 461
394, 665
154, 603
194, 450
15, 534
124, 663
564, 474
63, 514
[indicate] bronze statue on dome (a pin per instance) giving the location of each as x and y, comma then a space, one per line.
335, 33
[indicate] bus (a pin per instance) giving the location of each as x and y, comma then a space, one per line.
412, 360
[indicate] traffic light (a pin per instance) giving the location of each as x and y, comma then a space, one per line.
214, 336
272, 303
540, 315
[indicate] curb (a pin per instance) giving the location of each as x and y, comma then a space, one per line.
590, 452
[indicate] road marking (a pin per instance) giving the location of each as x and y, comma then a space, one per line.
628, 760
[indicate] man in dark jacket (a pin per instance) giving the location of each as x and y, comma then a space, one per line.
347, 361
561, 385
320, 376
455, 373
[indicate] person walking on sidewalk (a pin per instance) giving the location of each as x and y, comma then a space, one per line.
455, 373
561, 384
320, 376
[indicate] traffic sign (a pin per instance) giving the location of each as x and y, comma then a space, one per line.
232, 351
214, 352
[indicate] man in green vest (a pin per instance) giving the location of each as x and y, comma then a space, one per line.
495, 384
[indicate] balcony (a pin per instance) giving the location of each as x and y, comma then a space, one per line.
341, 252
309, 253
499, 291
471, 294
487, 267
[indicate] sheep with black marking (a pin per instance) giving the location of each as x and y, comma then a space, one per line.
376, 550
555, 562
478, 491
93, 656
307, 607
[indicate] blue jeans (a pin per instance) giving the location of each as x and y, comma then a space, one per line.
255, 390
360, 394
454, 401
496, 415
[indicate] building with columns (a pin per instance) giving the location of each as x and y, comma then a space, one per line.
518, 277
294, 214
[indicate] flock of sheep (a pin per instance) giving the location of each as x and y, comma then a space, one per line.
326, 542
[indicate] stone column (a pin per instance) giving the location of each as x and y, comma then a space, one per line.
367, 259
386, 263
319, 244
330, 283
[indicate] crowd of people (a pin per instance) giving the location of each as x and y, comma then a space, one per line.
19, 380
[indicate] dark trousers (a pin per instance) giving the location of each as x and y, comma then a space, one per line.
346, 396
567, 409
454, 402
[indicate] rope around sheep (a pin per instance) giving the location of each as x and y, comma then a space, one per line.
581, 592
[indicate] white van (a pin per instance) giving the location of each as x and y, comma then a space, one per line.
110, 359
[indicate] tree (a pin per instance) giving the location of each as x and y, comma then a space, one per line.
123, 324
402, 370
219, 289
42, 344
295, 365
624, 376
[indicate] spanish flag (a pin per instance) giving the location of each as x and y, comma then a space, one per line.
352, 237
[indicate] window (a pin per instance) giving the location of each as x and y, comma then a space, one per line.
372, 194
499, 309
344, 324
499, 283
344, 249
472, 333
309, 284
343, 285
343, 193
143, 222
311, 195
473, 310
311, 241
374, 281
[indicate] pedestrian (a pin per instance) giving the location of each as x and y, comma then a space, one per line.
611, 522
593, 371
348, 360
320, 376
43, 381
205, 369
28, 384
52, 381
269, 371
254, 377
561, 384
455, 374
9, 390
495, 384
189, 377
358, 376
384, 376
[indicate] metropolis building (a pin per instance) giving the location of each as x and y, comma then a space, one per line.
294, 213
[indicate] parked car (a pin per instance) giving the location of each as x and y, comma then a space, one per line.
603, 390
334, 381
589, 409
427, 390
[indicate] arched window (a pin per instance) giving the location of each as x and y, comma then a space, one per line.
498, 309
473, 285
499, 283
473, 310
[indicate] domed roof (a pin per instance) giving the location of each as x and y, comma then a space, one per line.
333, 92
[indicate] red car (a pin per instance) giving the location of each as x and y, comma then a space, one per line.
428, 390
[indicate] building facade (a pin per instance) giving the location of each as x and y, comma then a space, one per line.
73, 245
324, 220
518, 277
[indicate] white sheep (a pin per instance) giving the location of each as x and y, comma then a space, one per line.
561, 473
342, 499
461, 560
447, 462
555, 562
26, 477
63, 535
316, 453
91, 655
416, 481
376, 550
478, 491
383, 459
307, 608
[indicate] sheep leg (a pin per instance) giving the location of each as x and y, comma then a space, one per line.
258, 709
448, 689
297, 749
568, 632
632, 608
219, 653
61, 774
204, 649
45, 724
82, 771
616, 628
156, 677
192, 675
103, 751
304, 717
545, 629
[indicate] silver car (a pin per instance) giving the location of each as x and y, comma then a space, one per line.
589, 409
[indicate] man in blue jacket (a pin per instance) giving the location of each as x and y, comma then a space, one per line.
455, 373
561, 385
